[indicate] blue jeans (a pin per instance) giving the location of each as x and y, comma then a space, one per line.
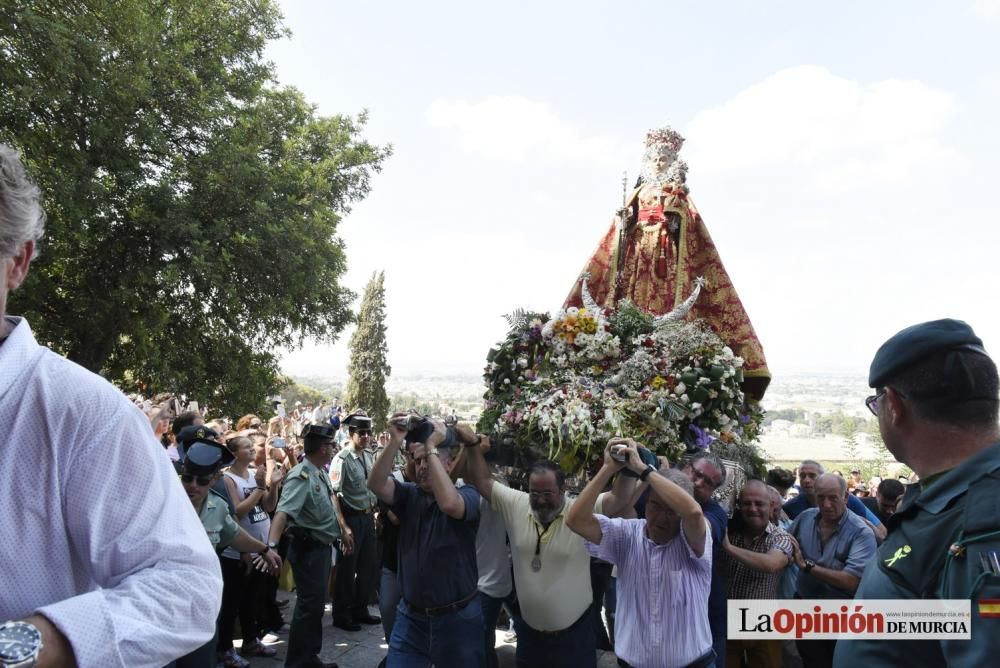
388, 599
491, 612
454, 640
573, 647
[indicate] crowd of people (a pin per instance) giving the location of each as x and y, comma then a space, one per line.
138, 537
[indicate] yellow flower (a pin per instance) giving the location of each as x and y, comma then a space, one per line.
657, 382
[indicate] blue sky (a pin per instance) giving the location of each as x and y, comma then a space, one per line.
843, 158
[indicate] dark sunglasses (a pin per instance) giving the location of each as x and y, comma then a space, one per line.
202, 480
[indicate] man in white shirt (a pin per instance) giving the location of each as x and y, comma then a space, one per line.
555, 627
104, 561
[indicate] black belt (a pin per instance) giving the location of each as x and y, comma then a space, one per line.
444, 609
351, 512
304, 538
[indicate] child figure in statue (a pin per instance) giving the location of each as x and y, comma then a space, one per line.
655, 249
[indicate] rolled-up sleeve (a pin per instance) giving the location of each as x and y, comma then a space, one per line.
612, 540
135, 529
862, 550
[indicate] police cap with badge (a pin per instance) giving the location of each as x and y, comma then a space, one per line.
205, 456
190, 434
918, 342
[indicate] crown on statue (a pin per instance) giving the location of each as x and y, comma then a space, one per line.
665, 137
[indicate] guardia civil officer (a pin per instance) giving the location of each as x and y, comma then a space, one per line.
203, 460
356, 572
309, 509
936, 398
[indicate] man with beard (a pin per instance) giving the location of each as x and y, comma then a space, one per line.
551, 564
835, 546
755, 553
439, 619
664, 566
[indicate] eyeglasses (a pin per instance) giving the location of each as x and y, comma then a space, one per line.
543, 495
202, 480
872, 402
699, 476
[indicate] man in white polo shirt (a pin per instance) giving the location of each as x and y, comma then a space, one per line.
551, 564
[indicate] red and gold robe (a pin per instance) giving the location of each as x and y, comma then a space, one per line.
656, 269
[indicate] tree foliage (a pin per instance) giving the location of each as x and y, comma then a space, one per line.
192, 202
369, 365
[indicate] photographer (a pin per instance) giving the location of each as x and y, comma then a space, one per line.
439, 619
664, 564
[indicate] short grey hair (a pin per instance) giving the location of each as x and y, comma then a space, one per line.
841, 483
712, 459
679, 479
21, 215
813, 462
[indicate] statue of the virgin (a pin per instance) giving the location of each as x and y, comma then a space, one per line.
656, 249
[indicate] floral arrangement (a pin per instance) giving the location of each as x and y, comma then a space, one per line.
562, 386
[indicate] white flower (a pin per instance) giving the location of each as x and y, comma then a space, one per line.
522, 362
680, 389
506, 381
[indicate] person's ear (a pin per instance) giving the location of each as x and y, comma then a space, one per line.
897, 408
18, 269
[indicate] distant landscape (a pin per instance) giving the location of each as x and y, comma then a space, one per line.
809, 415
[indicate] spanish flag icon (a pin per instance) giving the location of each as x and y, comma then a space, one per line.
989, 607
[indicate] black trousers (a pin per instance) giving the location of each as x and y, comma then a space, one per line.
243, 596
310, 562
356, 572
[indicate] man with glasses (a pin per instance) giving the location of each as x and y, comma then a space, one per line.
937, 402
707, 474
555, 627
356, 572
310, 509
204, 459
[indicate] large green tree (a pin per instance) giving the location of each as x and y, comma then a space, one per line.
192, 201
369, 365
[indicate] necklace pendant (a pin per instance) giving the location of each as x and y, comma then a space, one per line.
536, 563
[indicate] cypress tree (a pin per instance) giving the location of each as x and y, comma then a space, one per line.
369, 365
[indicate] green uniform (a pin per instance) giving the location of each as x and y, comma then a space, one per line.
960, 507
221, 527
306, 500
349, 473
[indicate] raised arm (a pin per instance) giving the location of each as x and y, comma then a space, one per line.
478, 469
380, 480
580, 517
682, 503
446, 495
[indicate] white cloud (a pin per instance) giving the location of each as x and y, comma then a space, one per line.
515, 129
987, 10
840, 135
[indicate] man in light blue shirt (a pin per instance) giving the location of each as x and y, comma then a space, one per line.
835, 547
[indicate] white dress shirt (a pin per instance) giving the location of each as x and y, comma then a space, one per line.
98, 534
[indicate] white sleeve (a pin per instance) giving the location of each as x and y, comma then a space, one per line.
131, 523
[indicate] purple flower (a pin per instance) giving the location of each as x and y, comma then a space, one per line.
700, 438
745, 418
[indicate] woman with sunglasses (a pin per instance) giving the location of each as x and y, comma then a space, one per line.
203, 461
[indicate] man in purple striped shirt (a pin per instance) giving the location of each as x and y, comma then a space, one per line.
664, 566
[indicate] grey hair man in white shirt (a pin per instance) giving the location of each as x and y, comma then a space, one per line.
104, 560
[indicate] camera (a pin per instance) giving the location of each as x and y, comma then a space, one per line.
618, 453
419, 429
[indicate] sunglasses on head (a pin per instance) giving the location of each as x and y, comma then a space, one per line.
202, 480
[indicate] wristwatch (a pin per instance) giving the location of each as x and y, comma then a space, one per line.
810, 564
271, 544
645, 474
20, 644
